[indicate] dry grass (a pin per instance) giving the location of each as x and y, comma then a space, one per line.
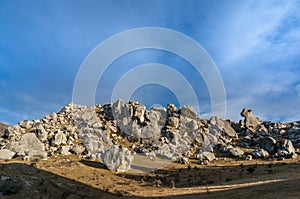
70, 177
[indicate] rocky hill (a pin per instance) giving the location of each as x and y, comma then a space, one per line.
117, 134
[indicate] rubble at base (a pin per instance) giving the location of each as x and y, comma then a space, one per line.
114, 133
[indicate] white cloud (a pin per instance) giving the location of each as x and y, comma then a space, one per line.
273, 83
246, 31
277, 110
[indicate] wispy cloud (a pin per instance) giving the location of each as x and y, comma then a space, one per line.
250, 28
259, 53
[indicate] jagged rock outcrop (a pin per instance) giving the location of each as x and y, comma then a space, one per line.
114, 133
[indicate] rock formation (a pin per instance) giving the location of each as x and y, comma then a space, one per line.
115, 133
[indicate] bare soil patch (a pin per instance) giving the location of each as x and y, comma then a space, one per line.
71, 177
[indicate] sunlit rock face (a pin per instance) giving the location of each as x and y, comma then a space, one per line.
115, 133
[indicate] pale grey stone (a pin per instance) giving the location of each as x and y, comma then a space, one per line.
26, 124
78, 149
117, 158
206, 156
36, 154
287, 146
236, 152
30, 141
188, 111
6, 154
59, 138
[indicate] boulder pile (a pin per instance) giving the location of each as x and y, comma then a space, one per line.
115, 133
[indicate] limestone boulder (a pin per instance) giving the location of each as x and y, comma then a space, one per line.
188, 111
6, 154
253, 123
117, 158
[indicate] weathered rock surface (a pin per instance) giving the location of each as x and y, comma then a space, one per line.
113, 133
268, 144
117, 158
6, 154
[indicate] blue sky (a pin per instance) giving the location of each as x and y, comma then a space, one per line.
255, 44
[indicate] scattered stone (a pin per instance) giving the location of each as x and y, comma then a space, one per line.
206, 156
184, 160
100, 133
77, 149
248, 157
236, 152
260, 153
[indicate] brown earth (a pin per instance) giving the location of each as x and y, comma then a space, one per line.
70, 177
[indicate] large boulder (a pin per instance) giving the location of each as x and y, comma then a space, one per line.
29, 146
173, 122
224, 126
188, 123
188, 111
117, 158
286, 145
268, 143
41, 133
120, 110
150, 133
253, 123
59, 138
92, 143
162, 111
139, 111
31, 142
168, 152
6, 154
